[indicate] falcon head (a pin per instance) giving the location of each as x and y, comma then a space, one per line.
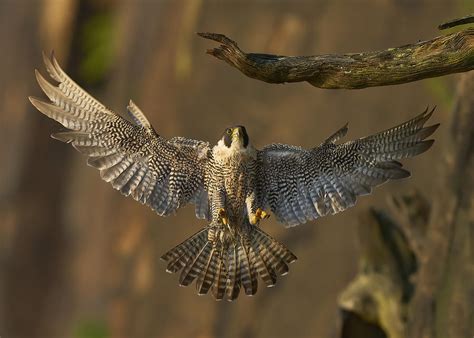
234, 142
235, 137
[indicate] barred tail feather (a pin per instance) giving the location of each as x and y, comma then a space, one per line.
220, 280
262, 264
185, 248
271, 258
206, 276
277, 250
248, 274
233, 277
226, 270
196, 266
183, 254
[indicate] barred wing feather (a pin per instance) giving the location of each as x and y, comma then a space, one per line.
137, 161
300, 185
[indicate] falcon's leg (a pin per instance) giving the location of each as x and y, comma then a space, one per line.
219, 214
256, 214
224, 219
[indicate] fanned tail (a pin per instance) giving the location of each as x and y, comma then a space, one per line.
225, 268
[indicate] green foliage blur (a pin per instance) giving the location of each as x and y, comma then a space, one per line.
97, 41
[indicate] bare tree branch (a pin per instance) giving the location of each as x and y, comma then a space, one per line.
457, 22
453, 53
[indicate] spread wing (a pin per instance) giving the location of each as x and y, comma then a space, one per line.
164, 174
300, 185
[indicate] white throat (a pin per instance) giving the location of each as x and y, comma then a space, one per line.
223, 153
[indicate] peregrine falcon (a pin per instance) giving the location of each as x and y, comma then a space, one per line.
233, 185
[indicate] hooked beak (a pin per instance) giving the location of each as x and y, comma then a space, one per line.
236, 134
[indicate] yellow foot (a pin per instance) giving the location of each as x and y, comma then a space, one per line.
223, 216
258, 216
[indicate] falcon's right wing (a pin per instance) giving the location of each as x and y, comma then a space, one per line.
164, 174
299, 185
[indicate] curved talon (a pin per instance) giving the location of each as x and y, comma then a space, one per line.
262, 214
258, 216
223, 216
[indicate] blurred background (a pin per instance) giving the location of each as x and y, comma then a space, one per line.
77, 259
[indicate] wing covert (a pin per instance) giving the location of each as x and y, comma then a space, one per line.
164, 174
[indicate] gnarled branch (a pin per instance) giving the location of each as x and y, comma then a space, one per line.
456, 22
453, 53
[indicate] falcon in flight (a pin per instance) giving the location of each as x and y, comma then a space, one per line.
233, 185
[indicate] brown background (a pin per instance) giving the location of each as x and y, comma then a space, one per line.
78, 259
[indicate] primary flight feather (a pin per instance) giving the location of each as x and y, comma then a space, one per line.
232, 184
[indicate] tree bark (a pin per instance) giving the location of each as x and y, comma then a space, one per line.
448, 54
418, 283
443, 302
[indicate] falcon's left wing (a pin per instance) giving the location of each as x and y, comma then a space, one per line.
300, 185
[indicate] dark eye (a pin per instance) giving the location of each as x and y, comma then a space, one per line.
229, 131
